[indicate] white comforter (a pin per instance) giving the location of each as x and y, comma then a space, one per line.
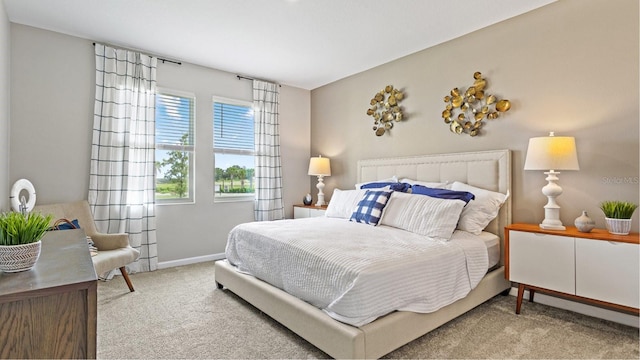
355, 272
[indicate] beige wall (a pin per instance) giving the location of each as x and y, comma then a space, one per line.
5, 72
569, 67
53, 81
201, 228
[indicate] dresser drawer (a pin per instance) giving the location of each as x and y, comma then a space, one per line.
608, 271
542, 260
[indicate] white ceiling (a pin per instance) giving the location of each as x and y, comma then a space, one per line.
301, 43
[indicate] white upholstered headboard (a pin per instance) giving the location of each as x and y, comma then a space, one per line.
489, 170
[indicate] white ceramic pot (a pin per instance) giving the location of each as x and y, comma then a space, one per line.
584, 223
618, 226
15, 258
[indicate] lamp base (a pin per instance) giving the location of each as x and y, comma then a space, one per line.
320, 187
552, 209
552, 227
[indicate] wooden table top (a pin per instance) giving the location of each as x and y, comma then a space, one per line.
64, 260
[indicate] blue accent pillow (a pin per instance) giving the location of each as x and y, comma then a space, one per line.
65, 225
395, 186
369, 209
376, 185
443, 193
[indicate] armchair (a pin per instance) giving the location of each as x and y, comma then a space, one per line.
114, 251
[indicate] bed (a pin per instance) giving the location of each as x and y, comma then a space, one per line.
490, 170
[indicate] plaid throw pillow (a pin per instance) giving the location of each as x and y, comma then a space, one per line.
369, 209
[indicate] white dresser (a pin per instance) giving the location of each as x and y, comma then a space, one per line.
305, 211
595, 267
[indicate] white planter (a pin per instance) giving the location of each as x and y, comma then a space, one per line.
618, 226
15, 258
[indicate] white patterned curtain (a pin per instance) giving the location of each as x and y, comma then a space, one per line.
121, 181
268, 172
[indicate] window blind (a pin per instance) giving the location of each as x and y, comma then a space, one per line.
174, 120
233, 129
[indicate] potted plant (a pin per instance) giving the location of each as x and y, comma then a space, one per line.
618, 216
20, 236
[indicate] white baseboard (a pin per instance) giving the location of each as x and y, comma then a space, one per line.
611, 315
188, 261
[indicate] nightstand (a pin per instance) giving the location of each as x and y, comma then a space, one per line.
305, 211
595, 267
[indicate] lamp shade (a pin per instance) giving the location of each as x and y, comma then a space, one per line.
319, 166
552, 153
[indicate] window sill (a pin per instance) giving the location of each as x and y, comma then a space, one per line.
227, 199
163, 203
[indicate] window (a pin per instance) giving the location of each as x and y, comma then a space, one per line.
174, 146
233, 149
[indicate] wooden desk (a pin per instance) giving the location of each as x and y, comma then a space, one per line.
50, 311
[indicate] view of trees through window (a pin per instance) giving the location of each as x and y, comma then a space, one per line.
233, 148
174, 146
235, 179
175, 169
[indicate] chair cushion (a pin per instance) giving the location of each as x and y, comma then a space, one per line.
110, 241
113, 259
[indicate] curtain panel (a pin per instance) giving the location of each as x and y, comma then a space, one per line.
122, 172
268, 172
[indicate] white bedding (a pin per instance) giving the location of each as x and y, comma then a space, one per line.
492, 242
356, 272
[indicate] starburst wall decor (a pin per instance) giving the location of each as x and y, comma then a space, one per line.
385, 109
466, 111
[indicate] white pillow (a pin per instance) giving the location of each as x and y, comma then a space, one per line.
479, 212
343, 202
423, 215
439, 185
391, 179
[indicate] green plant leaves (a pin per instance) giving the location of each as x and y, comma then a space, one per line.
618, 209
18, 229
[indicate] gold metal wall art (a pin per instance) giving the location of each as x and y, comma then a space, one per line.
385, 109
466, 111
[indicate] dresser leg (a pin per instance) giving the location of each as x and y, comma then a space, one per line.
531, 293
519, 300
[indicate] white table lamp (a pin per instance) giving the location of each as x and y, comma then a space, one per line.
552, 153
320, 167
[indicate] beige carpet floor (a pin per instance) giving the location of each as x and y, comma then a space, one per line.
178, 313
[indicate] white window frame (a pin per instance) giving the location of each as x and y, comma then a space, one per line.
190, 199
235, 197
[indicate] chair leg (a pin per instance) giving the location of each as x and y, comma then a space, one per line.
123, 270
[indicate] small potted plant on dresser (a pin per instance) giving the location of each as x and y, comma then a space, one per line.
618, 216
20, 242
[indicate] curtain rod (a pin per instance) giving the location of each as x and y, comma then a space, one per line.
240, 77
159, 58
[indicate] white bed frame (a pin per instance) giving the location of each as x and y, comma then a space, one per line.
490, 170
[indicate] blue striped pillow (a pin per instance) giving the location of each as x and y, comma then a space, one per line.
443, 193
395, 186
369, 209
